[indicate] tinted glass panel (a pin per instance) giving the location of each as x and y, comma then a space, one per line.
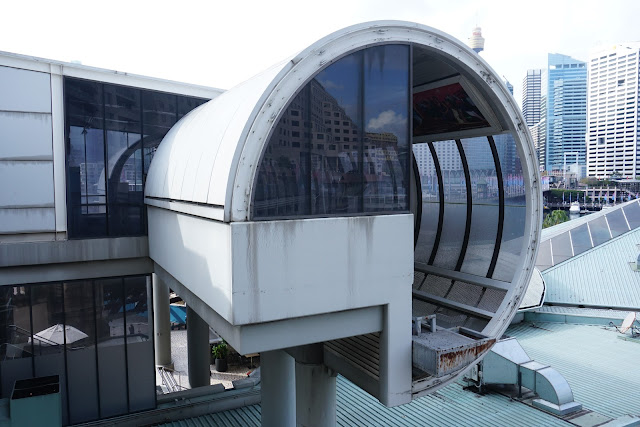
186, 104
632, 212
320, 162
455, 208
111, 348
112, 132
386, 89
430, 202
515, 208
485, 212
159, 113
140, 358
580, 239
85, 159
80, 336
561, 248
124, 164
599, 231
49, 336
617, 223
544, 256
16, 346
334, 148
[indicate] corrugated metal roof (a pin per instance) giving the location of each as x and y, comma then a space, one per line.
601, 369
246, 416
599, 277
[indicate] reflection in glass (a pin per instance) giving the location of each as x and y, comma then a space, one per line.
111, 347
455, 208
617, 223
580, 239
386, 90
85, 159
515, 208
124, 160
320, 162
112, 121
599, 230
485, 212
80, 338
16, 347
430, 202
48, 335
632, 212
140, 358
561, 248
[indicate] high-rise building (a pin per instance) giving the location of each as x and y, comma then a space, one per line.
612, 112
531, 97
564, 95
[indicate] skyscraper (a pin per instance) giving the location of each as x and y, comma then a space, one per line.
613, 116
531, 97
564, 96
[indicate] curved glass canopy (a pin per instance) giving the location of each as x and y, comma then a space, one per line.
341, 148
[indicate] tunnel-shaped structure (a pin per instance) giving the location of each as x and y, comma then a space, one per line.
382, 174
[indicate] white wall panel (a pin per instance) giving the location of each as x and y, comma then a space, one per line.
27, 220
22, 90
25, 136
26, 184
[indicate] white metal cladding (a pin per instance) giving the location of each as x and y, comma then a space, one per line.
212, 157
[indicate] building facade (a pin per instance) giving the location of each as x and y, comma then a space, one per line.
613, 112
288, 214
531, 87
564, 94
75, 282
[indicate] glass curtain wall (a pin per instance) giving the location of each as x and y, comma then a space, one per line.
112, 133
95, 334
341, 147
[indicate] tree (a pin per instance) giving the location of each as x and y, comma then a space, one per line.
554, 218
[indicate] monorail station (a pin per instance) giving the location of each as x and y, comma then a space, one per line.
368, 208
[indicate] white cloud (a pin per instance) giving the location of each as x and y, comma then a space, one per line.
387, 120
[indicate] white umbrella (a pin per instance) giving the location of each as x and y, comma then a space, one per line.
55, 334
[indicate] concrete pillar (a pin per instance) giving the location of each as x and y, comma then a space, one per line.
396, 353
278, 389
198, 350
161, 323
315, 395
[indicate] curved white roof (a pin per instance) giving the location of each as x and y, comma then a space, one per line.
210, 157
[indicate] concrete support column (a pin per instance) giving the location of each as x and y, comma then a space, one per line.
396, 353
278, 389
198, 350
161, 323
315, 396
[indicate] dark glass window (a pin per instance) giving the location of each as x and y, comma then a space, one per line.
328, 179
87, 203
95, 334
112, 133
16, 346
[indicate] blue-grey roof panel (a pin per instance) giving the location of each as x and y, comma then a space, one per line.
600, 277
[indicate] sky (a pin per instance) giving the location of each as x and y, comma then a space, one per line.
222, 43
